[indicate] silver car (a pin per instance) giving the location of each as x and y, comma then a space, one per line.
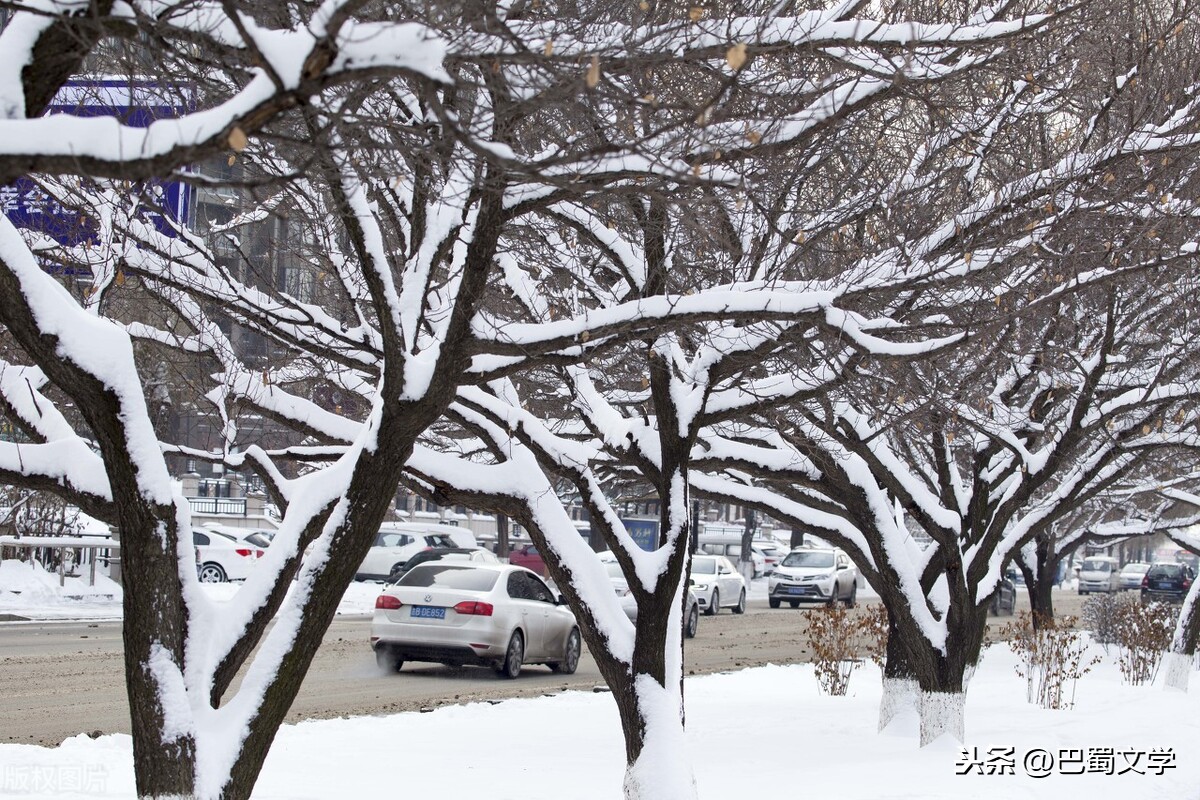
456, 613
813, 575
691, 622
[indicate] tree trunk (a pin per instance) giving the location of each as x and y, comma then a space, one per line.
154, 633
1178, 666
899, 682
658, 766
1041, 599
942, 677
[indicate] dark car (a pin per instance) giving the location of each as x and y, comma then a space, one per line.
1004, 599
468, 554
1168, 582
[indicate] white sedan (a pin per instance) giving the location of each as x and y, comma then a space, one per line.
455, 613
691, 622
717, 584
220, 557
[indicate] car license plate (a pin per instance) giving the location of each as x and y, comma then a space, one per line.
795, 590
427, 612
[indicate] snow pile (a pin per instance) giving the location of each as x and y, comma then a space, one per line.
570, 746
29, 590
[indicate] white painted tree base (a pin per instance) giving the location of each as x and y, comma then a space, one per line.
899, 695
1177, 668
942, 713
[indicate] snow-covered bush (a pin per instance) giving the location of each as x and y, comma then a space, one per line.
1143, 632
1051, 658
1100, 617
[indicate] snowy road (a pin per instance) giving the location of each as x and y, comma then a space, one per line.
63, 678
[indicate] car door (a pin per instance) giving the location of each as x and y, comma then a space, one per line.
556, 621
729, 581
532, 614
845, 576
388, 550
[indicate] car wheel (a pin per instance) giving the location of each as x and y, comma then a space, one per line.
510, 667
833, 596
387, 659
740, 608
773, 602
570, 660
211, 573
693, 622
853, 598
715, 604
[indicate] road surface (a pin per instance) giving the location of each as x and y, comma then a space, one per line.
60, 679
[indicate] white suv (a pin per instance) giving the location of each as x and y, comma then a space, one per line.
813, 575
392, 548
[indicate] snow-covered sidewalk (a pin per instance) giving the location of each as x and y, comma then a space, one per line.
758, 732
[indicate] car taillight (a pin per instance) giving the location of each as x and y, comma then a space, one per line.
1187, 583
260, 553
244, 553
475, 608
386, 601
1145, 581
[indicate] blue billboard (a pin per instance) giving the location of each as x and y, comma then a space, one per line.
134, 103
644, 532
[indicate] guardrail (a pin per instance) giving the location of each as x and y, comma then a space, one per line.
219, 505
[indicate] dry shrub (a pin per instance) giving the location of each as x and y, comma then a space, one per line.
1051, 658
1100, 617
873, 627
1143, 631
835, 636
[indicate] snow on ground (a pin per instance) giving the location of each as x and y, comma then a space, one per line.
28, 590
755, 732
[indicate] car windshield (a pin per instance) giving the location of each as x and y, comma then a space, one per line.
809, 559
448, 576
704, 566
1093, 565
1165, 571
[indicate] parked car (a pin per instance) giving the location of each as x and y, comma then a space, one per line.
470, 555
691, 622
734, 553
1169, 582
1099, 574
486, 614
813, 575
529, 558
1004, 599
717, 584
259, 538
392, 549
772, 554
220, 557
1132, 573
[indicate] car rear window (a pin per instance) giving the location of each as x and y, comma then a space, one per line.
810, 559
450, 576
1097, 566
1165, 571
